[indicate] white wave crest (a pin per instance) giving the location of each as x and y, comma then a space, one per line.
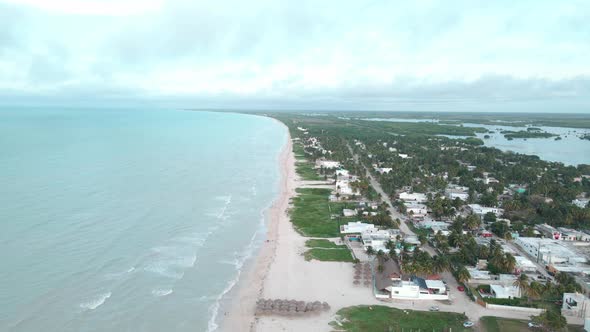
161, 292
96, 302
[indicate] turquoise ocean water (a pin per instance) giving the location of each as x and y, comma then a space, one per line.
129, 220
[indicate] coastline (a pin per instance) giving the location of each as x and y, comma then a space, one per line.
242, 304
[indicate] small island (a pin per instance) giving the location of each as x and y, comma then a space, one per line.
508, 134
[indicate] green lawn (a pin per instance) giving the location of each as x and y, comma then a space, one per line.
381, 318
329, 255
326, 250
322, 243
497, 324
306, 171
298, 150
311, 213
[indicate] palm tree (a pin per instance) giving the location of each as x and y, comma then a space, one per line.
463, 275
535, 290
509, 262
370, 250
389, 244
440, 264
522, 283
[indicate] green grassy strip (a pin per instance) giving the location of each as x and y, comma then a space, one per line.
311, 213
329, 255
306, 171
381, 318
321, 243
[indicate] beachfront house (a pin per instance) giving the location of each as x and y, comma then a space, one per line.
357, 227
390, 284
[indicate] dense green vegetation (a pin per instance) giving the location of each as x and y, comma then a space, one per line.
550, 185
381, 318
311, 214
526, 134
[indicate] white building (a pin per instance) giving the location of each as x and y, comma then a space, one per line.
524, 264
581, 202
483, 210
349, 213
461, 193
344, 188
413, 197
403, 155
505, 292
418, 289
377, 239
383, 170
357, 227
548, 251
327, 164
416, 209
478, 274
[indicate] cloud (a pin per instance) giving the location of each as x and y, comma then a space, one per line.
289, 53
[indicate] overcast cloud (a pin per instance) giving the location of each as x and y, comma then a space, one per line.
424, 55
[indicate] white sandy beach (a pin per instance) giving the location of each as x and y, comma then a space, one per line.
281, 272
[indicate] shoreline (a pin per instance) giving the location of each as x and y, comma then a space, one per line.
250, 288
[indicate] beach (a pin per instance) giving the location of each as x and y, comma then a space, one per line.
281, 272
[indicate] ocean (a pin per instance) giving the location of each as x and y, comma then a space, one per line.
129, 220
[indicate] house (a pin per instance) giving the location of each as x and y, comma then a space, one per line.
416, 209
581, 202
459, 192
524, 264
377, 239
357, 227
328, 164
413, 197
481, 211
383, 170
349, 213
403, 155
568, 234
477, 275
418, 289
504, 292
575, 305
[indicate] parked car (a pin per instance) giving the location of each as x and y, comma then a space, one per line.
534, 325
434, 308
468, 324
460, 288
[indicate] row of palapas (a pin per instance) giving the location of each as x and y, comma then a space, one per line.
289, 307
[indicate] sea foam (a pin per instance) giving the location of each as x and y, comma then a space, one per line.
96, 302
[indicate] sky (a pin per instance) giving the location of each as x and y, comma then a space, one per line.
276, 54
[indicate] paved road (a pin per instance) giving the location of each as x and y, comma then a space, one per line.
395, 214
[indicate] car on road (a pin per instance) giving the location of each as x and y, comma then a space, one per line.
434, 308
460, 288
468, 324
